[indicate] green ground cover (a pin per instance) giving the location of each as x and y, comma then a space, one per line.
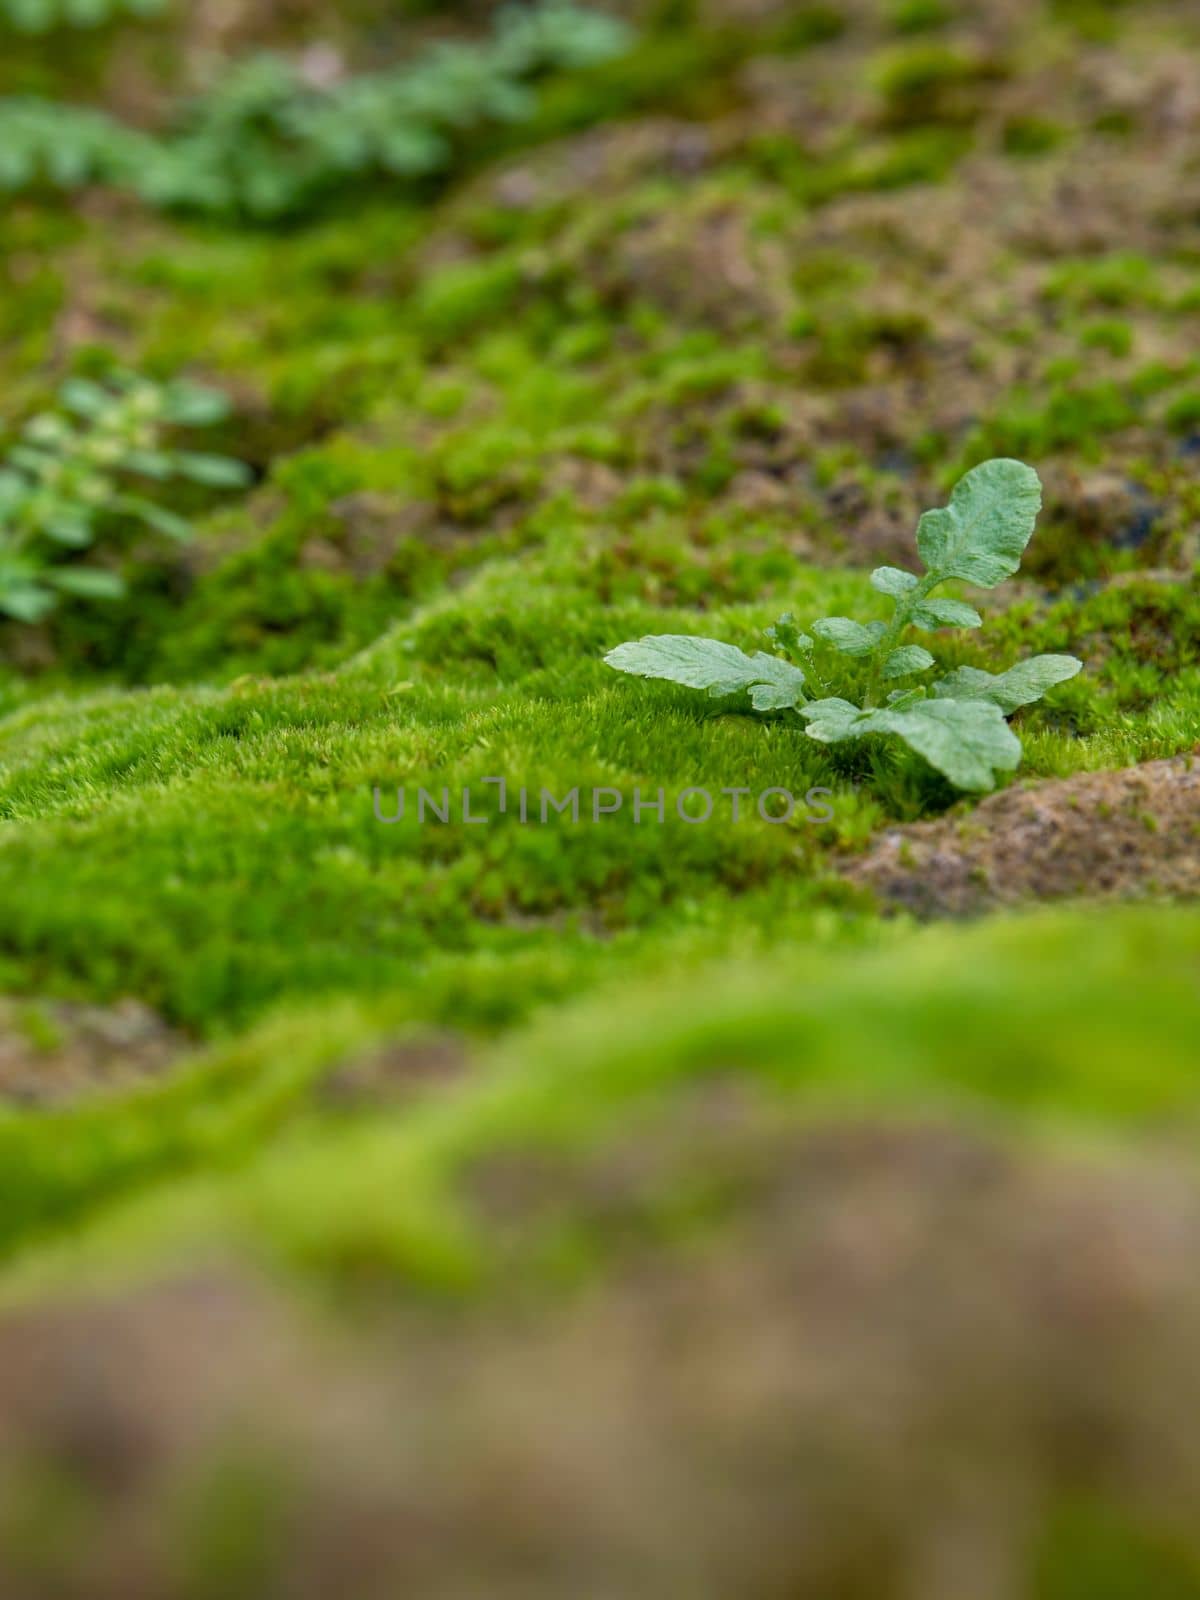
501, 432
686, 345
1067, 1025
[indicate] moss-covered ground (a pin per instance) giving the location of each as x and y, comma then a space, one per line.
690, 349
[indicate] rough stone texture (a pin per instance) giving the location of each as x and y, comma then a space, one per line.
1126, 834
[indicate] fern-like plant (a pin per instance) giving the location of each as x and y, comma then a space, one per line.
267, 143
82, 468
957, 721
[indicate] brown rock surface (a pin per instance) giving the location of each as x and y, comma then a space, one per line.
54, 1051
1127, 834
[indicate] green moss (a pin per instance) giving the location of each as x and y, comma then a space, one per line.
919, 16
689, 74
219, 1157
1183, 414
1135, 638
810, 24
149, 823
929, 83
917, 155
1116, 281
1093, 1550
1075, 416
233, 1525
459, 299
37, 1028
848, 338
496, 436
1098, 21
1032, 136
1109, 334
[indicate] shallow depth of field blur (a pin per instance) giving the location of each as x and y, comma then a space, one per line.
607, 1210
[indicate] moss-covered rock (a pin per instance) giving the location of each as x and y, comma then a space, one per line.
690, 347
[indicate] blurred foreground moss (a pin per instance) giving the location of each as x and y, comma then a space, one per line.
1068, 1023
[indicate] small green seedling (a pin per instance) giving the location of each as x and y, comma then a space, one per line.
956, 722
74, 473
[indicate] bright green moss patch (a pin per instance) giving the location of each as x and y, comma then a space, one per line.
1113, 282
266, 792
1108, 333
217, 851
654, 382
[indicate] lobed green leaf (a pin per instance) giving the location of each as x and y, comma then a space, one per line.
908, 658
1020, 686
939, 613
721, 669
982, 534
851, 638
893, 581
967, 741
